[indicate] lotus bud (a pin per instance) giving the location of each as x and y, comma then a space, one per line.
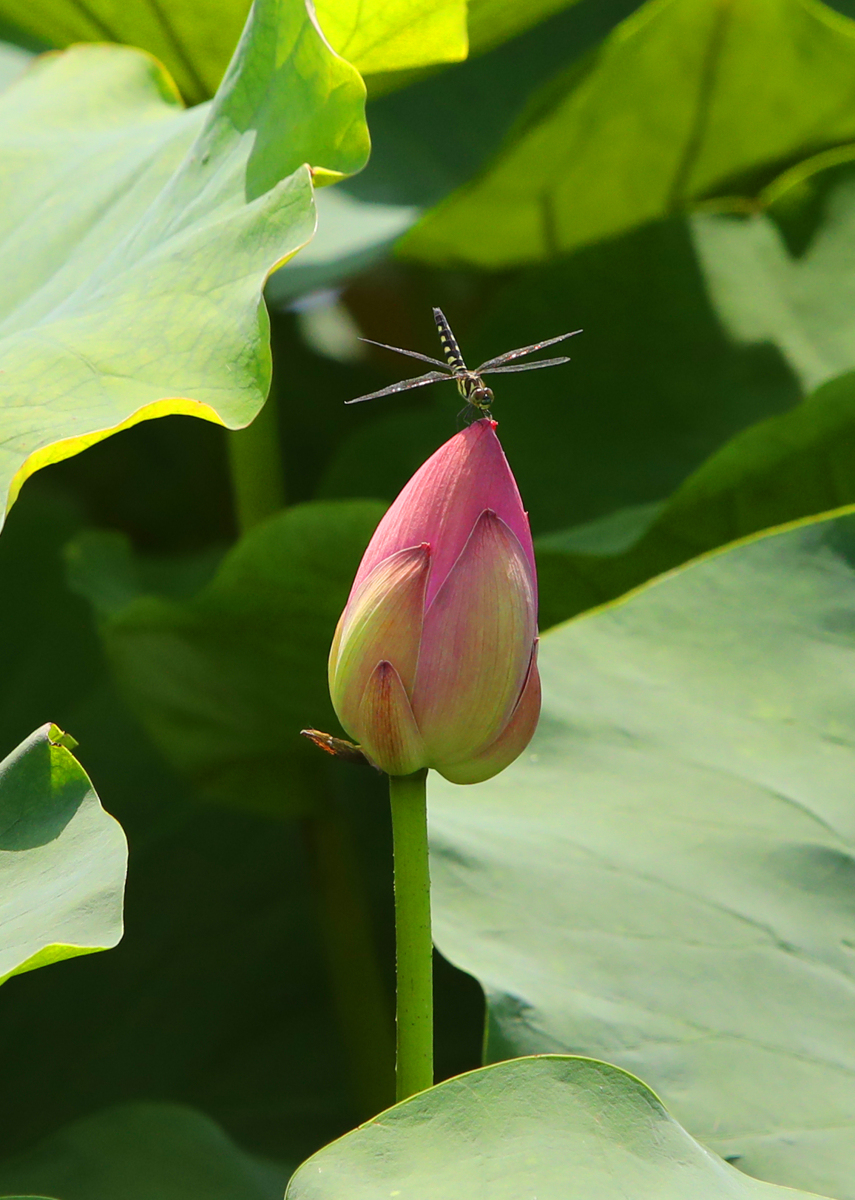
433, 663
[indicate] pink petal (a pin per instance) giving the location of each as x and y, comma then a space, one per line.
387, 728
510, 743
382, 620
476, 645
445, 498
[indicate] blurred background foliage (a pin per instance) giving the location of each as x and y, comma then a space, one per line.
675, 177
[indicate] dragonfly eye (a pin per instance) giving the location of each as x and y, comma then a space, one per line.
481, 396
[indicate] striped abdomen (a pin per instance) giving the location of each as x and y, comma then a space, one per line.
449, 346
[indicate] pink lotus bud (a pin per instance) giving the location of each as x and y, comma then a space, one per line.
433, 663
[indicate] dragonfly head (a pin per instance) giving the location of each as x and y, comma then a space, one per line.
481, 397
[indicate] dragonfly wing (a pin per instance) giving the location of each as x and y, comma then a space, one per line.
544, 362
410, 353
403, 386
512, 354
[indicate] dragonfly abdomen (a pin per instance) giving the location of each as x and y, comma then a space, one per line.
450, 348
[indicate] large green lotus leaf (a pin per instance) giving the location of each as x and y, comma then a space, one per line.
225, 681
195, 40
143, 1152
795, 465
395, 35
786, 275
62, 858
666, 879
140, 234
550, 1127
671, 109
421, 149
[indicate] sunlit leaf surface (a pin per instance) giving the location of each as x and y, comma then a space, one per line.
665, 879
395, 35
195, 40
138, 235
548, 1127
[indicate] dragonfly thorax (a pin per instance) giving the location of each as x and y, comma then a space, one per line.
473, 389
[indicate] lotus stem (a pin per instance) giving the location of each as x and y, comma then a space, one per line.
414, 945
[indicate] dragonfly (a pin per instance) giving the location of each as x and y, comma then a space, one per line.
470, 384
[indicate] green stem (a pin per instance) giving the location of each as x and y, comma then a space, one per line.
258, 477
408, 794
